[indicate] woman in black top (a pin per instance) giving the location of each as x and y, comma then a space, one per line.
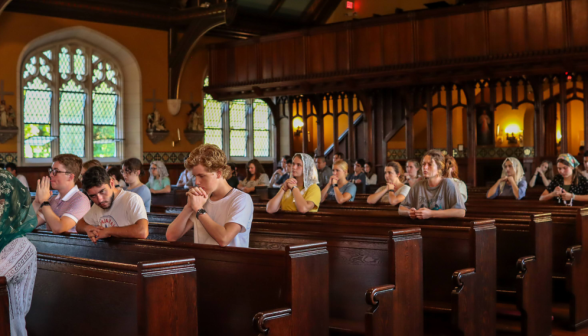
543, 175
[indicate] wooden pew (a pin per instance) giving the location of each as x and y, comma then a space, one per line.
78, 296
4, 308
394, 298
235, 283
470, 261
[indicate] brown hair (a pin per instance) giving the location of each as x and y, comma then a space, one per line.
372, 172
439, 159
211, 157
398, 169
92, 163
115, 171
449, 163
258, 169
133, 164
549, 172
417, 164
71, 162
575, 173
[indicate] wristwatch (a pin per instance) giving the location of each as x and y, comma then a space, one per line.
44, 203
335, 185
200, 212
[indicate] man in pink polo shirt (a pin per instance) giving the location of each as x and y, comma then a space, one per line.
62, 212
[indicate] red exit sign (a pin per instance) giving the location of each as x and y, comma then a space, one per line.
349, 5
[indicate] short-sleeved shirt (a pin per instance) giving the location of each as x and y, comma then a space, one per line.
236, 207
262, 180
442, 197
158, 184
507, 190
312, 193
145, 195
581, 188
348, 188
185, 177
462, 188
23, 180
75, 204
371, 180
127, 208
386, 198
352, 178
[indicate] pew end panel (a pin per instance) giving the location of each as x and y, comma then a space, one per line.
4, 308
277, 322
168, 298
397, 308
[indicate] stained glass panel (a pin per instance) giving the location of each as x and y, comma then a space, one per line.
261, 114
72, 132
71, 139
64, 63
79, 64
104, 143
37, 119
238, 124
214, 136
213, 120
104, 104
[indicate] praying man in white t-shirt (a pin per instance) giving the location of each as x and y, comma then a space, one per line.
115, 213
218, 213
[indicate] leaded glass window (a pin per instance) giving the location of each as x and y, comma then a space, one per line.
238, 124
71, 103
261, 123
213, 120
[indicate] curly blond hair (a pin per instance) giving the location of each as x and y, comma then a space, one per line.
211, 157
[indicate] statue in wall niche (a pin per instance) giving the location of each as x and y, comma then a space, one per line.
155, 122
11, 117
3, 114
195, 119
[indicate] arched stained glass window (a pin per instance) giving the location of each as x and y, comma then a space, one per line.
261, 129
71, 103
213, 120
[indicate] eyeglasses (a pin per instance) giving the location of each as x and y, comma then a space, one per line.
53, 172
152, 168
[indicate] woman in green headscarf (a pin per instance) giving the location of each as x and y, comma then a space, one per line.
569, 184
18, 257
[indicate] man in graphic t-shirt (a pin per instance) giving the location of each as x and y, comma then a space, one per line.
115, 213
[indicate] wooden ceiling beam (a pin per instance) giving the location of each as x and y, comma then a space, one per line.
275, 6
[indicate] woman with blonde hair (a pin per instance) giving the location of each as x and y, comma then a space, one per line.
220, 214
300, 192
256, 177
569, 184
339, 189
452, 172
543, 175
512, 183
159, 182
435, 196
395, 191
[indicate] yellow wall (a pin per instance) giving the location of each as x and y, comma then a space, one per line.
575, 126
148, 46
398, 141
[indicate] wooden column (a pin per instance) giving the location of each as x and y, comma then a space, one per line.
369, 112
305, 126
585, 113
409, 134
469, 90
351, 130
563, 113
539, 124
320, 132
429, 119
449, 120
290, 126
336, 124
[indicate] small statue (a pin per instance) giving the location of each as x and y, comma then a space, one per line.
155, 122
11, 117
3, 114
195, 119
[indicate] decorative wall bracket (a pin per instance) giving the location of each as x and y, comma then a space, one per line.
194, 136
7, 133
157, 136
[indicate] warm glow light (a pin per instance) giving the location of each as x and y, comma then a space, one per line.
297, 123
558, 135
513, 128
349, 5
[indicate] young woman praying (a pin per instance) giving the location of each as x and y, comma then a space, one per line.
435, 196
411, 177
512, 183
300, 192
395, 191
569, 184
370, 174
543, 175
339, 189
256, 177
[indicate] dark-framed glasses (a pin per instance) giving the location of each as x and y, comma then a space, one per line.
53, 172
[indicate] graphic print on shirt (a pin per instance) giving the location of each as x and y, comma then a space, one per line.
108, 221
435, 203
